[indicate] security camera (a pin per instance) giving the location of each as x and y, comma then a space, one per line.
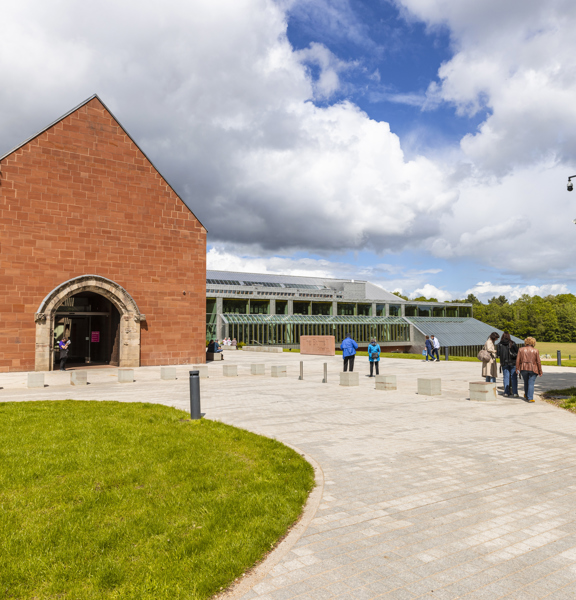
574, 221
570, 186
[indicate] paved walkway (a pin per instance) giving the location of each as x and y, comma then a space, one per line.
424, 497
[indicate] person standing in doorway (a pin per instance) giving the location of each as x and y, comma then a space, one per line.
436, 349
63, 344
529, 366
429, 348
348, 347
374, 356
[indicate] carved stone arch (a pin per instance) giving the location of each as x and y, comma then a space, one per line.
130, 318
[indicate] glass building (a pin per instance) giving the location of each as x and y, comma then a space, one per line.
258, 309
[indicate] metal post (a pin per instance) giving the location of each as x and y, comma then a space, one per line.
301, 370
195, 395
559, 357
325, 380
446, 354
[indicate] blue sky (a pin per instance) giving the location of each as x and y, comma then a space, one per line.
421, 144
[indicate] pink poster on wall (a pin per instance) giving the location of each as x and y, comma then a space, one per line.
95, 336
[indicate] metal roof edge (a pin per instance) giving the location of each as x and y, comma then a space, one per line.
73, 110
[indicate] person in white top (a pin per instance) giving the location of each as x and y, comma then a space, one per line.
436, 350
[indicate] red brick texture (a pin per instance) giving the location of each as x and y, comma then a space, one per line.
80, 199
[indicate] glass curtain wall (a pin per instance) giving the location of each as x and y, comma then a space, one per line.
210, 318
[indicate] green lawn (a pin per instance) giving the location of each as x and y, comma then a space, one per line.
552, 347
566, 403
106, 500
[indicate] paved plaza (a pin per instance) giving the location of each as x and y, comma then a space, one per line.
422, 497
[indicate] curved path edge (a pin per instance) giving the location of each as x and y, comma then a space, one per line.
246, 582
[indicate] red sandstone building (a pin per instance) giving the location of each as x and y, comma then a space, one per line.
95, 244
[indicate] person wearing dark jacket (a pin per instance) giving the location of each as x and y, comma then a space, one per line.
64, 344
507, 351
429, 348
214, 347
348, 347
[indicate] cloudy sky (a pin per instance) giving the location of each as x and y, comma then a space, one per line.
420, 144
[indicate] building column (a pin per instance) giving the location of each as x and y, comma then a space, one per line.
373, 310
272, 309
334, 308
219, 322
403, 310
387, 310
290, 307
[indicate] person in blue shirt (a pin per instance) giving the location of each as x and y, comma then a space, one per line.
374, 356
429, 348
348, 347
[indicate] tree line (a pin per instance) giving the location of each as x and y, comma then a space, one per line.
548, 319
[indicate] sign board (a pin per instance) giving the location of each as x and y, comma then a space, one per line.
324, 345
95, 336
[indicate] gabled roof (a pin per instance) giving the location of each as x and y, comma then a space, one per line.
95, 96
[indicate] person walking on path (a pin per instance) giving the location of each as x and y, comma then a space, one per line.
429, 348
507, 352
348, 347
63, 344
529, 366
374, 356
436, 348
490, 368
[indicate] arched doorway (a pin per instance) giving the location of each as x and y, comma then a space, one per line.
99, 316
92, 324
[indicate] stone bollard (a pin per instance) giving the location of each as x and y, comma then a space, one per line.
257, 369
429, 387
79, 378
202, 370
325, 379
167, 373
35, 380
230, 370
481, 391
125, 375
278, 370
349, 379
385, 382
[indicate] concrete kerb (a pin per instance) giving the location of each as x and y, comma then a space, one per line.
252, 577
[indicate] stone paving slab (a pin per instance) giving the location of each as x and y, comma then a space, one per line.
424, 497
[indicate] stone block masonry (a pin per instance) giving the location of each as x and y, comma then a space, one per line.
230, 370
125, 375
35, 380
257, 369
482, 391
81, 198
168, 373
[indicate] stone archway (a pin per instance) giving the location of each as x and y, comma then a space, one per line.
130, 318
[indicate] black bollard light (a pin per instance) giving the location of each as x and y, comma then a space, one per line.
195, 395
559, 358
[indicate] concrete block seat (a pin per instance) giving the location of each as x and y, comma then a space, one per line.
214, 356
429, 386
168, 373
230, 370
79, 378
483, 391
35, 380
202, 369
386, 382
125, 375
349, 379
257, 369
278, 371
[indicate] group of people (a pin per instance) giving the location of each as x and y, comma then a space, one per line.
214, 347
432, 350
349, 347
513, 361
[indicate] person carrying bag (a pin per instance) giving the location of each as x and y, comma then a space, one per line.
374, 357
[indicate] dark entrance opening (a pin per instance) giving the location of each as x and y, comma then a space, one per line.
92, 323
